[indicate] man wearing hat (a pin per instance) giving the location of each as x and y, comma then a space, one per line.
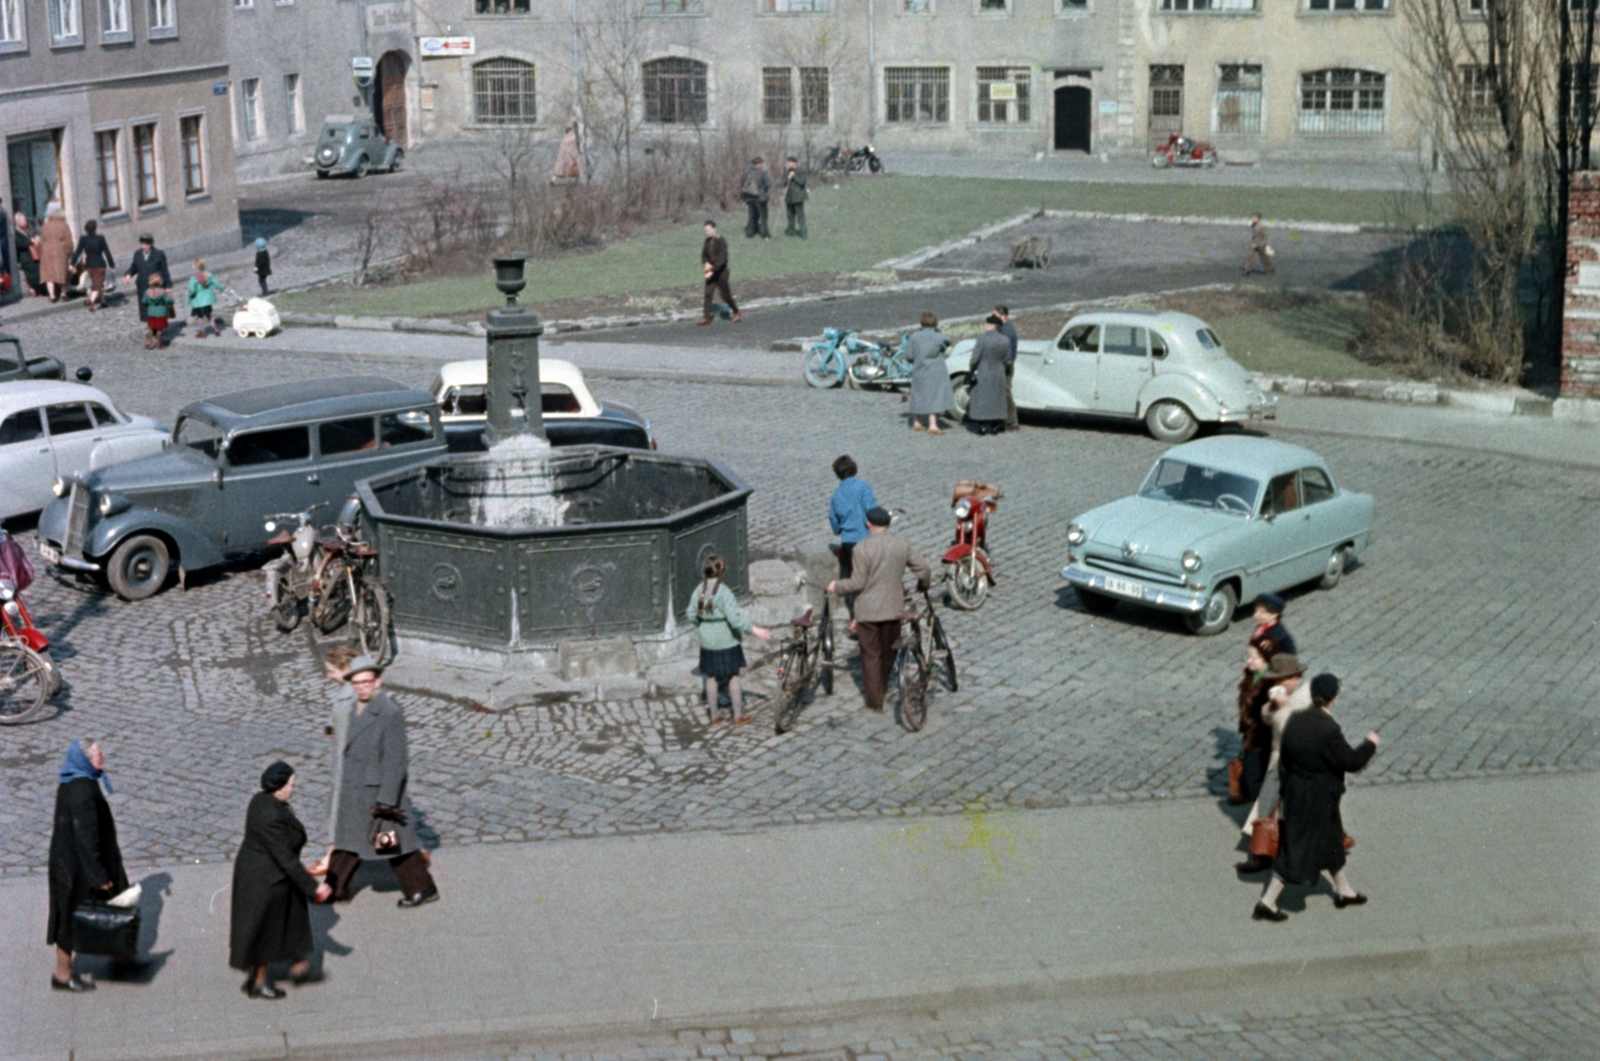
878, 581
373, 798
1269, 622
147, 262
1289, 694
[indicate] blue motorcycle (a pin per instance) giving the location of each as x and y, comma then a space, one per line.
843, 356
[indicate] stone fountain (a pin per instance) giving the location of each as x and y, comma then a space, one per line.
575, 563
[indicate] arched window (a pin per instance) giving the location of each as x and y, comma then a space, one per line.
1341, 101
675, 91
502, 92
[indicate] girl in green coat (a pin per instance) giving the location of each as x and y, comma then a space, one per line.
715, 612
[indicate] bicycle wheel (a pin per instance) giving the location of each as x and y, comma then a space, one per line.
372, 622
285, 605
943, 652
24, 684
332, 603
792, 689
824, 368
913, 687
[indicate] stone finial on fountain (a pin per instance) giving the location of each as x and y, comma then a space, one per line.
515, 405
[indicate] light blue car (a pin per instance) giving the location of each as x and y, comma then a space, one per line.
1218, 522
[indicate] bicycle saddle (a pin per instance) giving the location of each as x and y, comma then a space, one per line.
804, 618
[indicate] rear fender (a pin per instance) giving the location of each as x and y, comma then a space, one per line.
1171, 386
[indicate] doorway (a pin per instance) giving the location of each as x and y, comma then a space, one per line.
1072, 118
389, 96
35, 166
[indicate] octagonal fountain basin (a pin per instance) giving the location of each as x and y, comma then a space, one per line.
525, 547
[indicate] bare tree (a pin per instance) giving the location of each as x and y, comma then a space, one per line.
815, 46
614, 40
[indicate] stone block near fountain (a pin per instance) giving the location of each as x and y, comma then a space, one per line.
577, 563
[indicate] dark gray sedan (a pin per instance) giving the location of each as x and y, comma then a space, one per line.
354, 146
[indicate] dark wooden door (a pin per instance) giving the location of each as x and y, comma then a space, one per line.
1072, 118
392, 94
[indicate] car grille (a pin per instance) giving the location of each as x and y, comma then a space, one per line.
77, 520
1148, 574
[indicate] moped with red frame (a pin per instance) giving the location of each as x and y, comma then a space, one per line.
968, 573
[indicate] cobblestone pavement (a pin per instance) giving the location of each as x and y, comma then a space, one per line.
1497, 1021
1463, 638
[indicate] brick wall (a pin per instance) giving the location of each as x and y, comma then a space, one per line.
1580, 326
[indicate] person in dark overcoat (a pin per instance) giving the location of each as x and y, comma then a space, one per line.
931, 393
1255, 732
990, 356
373, 787
85, 860
270, 920
1313, 758
148, 263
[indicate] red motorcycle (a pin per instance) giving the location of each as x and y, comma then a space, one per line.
1179, 150
967, 571
16, 575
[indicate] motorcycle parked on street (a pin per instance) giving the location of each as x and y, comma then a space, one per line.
968, 574
331, 577
293, 579
843, 356
16, 624
841, 159
1179, 150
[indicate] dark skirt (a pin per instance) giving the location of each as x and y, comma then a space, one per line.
275, 927
722, 662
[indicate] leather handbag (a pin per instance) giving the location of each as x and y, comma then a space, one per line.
101, 929
385, 834
1236, 781
1264, 838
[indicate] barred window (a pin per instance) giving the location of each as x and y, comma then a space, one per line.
1477, 94
1239, 99
675, 91
500, 7
1348, 5
916, 93
502, 92
777, 95
1208, 5
1341, 101
814, 95
1003, 93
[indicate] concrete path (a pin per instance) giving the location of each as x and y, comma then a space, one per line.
833, 920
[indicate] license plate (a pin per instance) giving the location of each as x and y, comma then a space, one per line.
49, 553
1124, 587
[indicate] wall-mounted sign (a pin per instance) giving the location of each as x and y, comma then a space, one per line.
442, 47
219, 88
389, 16
361, 70
1108, 106
1002, 91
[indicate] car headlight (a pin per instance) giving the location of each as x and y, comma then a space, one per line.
111, 504
59, 487
963, 508
1076, 535
1191, 560
8, 589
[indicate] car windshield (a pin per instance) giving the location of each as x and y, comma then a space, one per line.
334, 134
198, 434
1195, 484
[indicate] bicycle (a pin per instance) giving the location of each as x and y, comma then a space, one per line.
349, 589
805, 661
24, 683
924, 653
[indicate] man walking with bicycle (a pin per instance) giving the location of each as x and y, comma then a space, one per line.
878, 581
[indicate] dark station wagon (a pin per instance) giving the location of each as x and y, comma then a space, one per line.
232, 461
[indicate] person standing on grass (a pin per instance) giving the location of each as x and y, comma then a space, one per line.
714, 261
931, 394
753, 190
203, 291
1009, 330
1313, 759
1258, 247
94, 256
157, 303
148, 264
794, 197
263, 264
878, 581
714, 610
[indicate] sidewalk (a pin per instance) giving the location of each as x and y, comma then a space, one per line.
834, 920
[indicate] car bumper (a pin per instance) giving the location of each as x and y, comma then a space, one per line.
1267, 409
1167, 598
71, 563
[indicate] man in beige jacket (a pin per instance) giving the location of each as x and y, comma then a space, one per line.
878, 581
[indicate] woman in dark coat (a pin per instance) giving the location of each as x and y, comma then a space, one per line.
94, 255
1255, 733
991, 354
1313, 758
271, 921
84, 857
931, 394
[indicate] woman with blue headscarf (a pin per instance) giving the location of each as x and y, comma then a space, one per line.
263, 264
84, 857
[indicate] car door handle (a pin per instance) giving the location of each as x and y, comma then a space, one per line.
313, 478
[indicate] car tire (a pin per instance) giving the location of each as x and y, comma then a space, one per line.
361, 167
1332, 574
1169, 421
1218, 612
138, 568
1094, 603
961, 389
399, 157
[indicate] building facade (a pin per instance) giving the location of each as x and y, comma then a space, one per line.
118, 110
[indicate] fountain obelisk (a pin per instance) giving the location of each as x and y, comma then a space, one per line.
515, 405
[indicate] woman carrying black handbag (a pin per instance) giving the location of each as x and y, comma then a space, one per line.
85, 861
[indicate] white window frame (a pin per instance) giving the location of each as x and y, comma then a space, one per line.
134, 126
13, 26
112, 11
1261, 99
917, 119
66, 22
293, 103
1364, 121
254, 128
119, 180
1018, 74
204, 193
163, 18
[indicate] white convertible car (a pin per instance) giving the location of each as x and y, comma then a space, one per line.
1168, 369
51, 429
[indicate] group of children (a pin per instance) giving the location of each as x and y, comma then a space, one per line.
158, 307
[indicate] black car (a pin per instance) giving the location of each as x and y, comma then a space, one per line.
14, 364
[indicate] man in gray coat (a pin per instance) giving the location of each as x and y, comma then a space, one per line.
987, 407
372, 793
878, 580
794, 197
753, 190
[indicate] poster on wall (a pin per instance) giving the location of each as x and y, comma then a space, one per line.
394, 15
445, 47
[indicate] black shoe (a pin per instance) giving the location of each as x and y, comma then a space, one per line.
310, 976
1263, 912
429, 896
1253, 864
268, 990
1340, 902
74, 983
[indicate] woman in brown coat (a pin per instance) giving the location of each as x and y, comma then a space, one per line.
1255, 734
55, 251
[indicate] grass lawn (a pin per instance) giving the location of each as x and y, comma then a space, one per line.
854, 225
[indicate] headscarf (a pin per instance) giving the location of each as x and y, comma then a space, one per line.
261, 243
77, 765
276, 776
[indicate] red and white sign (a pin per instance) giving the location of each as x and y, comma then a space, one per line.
441, 47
